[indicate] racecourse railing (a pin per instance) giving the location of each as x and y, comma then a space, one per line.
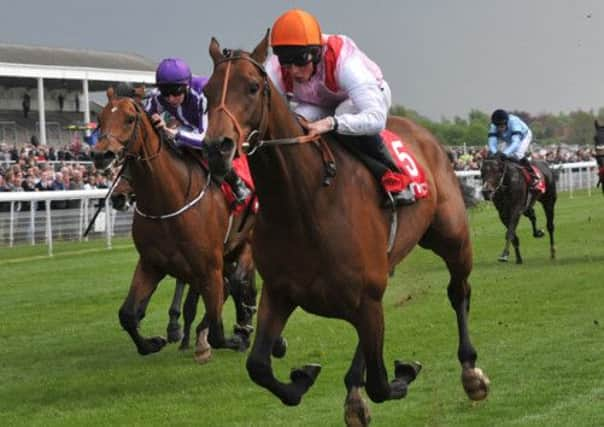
42, 217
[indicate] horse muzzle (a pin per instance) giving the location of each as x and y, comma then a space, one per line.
220, 153
103, 159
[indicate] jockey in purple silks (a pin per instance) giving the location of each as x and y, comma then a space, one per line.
180, 94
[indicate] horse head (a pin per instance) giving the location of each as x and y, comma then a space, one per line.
238, 94
492, 172
120, 126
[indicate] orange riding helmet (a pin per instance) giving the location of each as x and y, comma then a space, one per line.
296, 27
296, 38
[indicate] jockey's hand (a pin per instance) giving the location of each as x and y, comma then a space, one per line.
320, 127
160, 125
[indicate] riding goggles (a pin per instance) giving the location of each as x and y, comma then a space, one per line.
299, 60
174, 90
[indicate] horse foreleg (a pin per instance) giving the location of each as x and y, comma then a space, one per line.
173, 329
273, 313
242, 286
370, 328
144, 283
188, 315
356, 410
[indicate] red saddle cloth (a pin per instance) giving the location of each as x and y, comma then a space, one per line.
412, 173
242, 170
540, 187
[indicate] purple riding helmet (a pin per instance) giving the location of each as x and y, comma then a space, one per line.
173, 71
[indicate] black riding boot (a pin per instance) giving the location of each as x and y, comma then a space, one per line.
373, 146
240, 190
533, 176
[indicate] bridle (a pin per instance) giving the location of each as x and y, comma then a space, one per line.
128, 144
139, 132
253, 141
501, 179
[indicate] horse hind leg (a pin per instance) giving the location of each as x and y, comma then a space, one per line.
452, 243
530, 214
189, 313
273, 313
548, 207
144, 283
474, 381
173, 329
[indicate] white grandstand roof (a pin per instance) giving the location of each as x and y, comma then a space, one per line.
20, 64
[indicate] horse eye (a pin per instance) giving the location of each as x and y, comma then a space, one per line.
254, 88
130, 119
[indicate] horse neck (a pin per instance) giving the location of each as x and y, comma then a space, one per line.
160, 177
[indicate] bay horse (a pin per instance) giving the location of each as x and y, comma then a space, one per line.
504, 183
239, 275
599, 152
321, 241
179, 226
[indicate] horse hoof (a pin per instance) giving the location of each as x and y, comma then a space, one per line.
306, 375
203, 356
356, 411
279, 348
407, 371
475, 383
174, 334
538, 234
503, 258
152, 345
519, 261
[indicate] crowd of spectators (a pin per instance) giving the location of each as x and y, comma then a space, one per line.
40, 168
470, 158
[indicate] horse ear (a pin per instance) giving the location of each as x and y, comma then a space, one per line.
215, 50
261, 51
110, 93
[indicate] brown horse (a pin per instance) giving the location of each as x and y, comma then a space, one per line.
179, 227
324, 248
239, 275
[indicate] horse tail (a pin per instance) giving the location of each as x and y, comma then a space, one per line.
467, 193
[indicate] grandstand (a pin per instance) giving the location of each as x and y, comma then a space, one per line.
58, 84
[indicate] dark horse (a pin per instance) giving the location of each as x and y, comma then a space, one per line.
599, 152
179, 228
505, 184
324, 248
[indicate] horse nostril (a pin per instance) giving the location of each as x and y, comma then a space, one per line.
226, 146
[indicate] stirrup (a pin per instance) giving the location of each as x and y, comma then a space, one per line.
400, 198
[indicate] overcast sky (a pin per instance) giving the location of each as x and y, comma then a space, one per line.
441, 57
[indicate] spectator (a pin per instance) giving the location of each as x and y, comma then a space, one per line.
26, 104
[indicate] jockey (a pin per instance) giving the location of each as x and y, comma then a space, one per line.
517, 137
334, 85
180, 94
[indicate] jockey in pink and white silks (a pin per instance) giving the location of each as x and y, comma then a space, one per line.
331, 83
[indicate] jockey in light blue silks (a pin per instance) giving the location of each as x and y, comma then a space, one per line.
180, 94
517, 137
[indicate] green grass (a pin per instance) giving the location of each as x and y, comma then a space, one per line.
538, 329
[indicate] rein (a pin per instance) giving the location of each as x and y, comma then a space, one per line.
246, 144
128, 144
